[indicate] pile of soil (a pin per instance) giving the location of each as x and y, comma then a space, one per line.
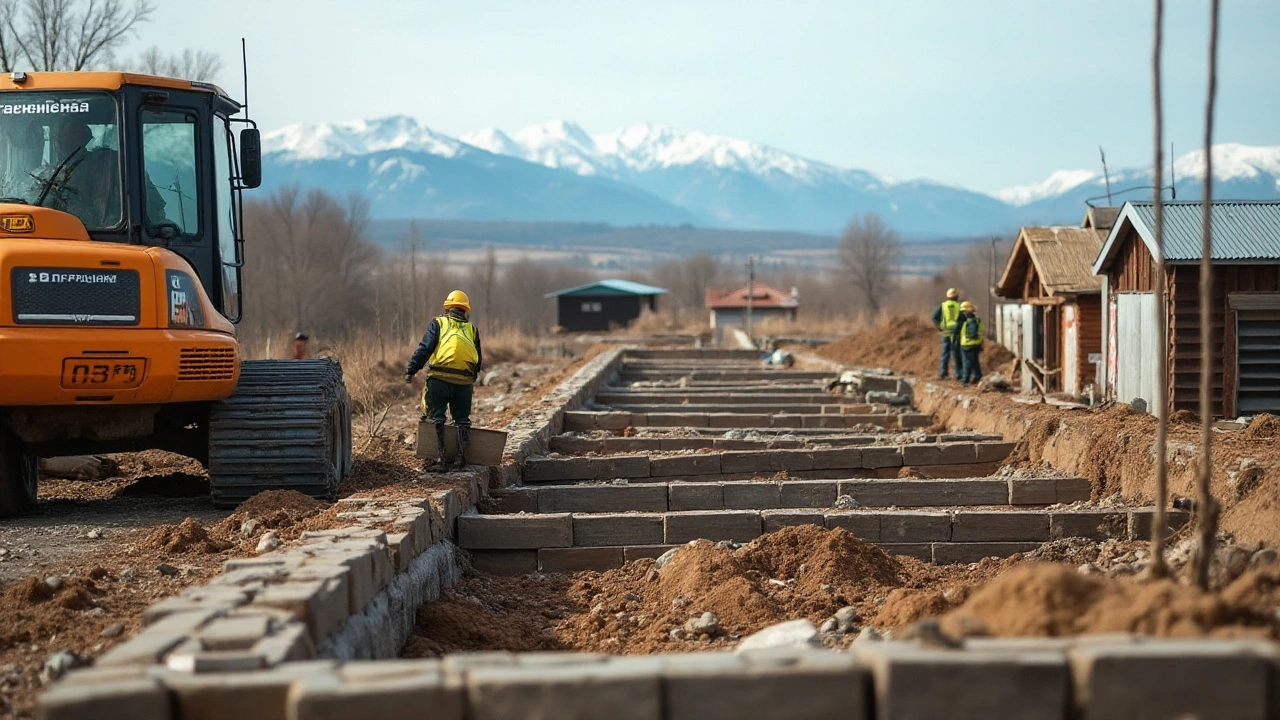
906, 343
1048, 600
1263, 427
514, 614
187, 537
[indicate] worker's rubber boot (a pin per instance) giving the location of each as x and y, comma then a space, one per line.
464, 447
442, 465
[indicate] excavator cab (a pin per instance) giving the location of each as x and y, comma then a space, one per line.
121, 251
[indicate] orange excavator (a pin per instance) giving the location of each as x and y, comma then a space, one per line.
121, 250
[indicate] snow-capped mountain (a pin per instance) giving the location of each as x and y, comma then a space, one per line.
652, 174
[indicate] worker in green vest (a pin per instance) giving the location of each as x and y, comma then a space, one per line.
946, 318
450, 350
969, 336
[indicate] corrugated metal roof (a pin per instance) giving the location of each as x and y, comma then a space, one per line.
1063, 258
1241, 230
610, 287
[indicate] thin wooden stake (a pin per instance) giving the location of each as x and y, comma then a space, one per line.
1159, 568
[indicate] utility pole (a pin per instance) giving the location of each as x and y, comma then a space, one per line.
991, 289
1105, 174
751, 291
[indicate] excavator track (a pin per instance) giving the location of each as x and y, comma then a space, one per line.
286, 427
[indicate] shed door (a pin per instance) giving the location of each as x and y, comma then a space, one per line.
1137, 347
1258, 357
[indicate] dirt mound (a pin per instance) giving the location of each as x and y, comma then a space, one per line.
1263, 427
1049, 599
908, 344
187, 537
271, 502
1185, 417
29, 592
513, 614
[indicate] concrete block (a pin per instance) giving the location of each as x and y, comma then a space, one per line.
961, 453
515, 500
505, 562
602, 498
140, 698
792, 460
695, 496
682, 444
1092, 524
736, 525
219, 598
321, 604
515, 532
913, 682
998, 526
1033, 491
751, 495
617, 529
909, 421
919, 551
620, 466
382, 694
879, 457
638, 552
797, 686
864, 525
631, 445
400, 547
775, 520
1202, 678
1141, 521
261, 694
783, 420
740, 461
922, 454
558, 469
149, 645
994, 451
913, 527
925, 493
1074, 490
417, 525
678, 420
837, 458
808, 493
589, 690
945, 553
235, 633
570, 560
572, 445
737, 420
682, 465
288, 643
340, 577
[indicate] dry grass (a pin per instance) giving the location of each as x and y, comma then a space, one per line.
664, 322
813, 325
507, 344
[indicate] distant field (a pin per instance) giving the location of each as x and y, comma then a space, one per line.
606, 247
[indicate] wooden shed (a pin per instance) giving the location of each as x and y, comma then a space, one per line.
603, 305
1058, 314
1245, 346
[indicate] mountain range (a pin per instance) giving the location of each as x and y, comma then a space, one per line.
655, 175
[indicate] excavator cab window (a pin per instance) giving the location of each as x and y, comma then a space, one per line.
171, 203
62, 150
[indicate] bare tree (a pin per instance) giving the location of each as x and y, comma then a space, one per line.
687, 279
66, 34
869, 250
202, 65
483, 276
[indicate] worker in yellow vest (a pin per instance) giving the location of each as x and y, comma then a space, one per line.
946, 318
450, 350
969, 335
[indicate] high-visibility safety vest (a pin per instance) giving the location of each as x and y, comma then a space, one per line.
971, 332
950, 315
455, 358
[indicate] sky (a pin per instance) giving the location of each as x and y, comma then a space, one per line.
982, 94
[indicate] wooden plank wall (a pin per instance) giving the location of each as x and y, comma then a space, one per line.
1089, 336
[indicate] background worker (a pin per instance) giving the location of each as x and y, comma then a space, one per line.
450, 350
946, 318
969, 337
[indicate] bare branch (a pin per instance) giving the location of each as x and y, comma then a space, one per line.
869, 250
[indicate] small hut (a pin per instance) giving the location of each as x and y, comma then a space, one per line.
603, 305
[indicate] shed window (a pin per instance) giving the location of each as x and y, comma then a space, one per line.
591, 307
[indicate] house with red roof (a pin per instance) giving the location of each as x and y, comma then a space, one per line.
729, 307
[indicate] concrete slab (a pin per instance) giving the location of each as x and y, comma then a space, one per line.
571, 560
863, 525
602, 498
775, 520
617, 529
515, 532
808, 493
751, 495
1000, 526
914, 527
736, 525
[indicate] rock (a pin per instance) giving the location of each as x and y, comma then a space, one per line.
869, 634
79, 467
1230, 563
112, 630
128, 574
1265, 556
846, 502
95, 534
928, 633
706, 623
888, 398
847, 617
55, 582
4, 552
249, 527
631, 597
490, 378
997, 381
165, 569
1122, 570
676, 634
270, 541
829, 627
1089, 569
57, 665
1139, 405
664, 558
652, 576
679, 602
793, 633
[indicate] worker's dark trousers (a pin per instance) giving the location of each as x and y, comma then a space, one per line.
950, 350
440, 395
972, 364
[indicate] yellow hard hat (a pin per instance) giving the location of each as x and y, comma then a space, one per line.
457, 299
966, 306
953, 293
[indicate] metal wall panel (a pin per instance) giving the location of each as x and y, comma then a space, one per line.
1258, 358
1137, 347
